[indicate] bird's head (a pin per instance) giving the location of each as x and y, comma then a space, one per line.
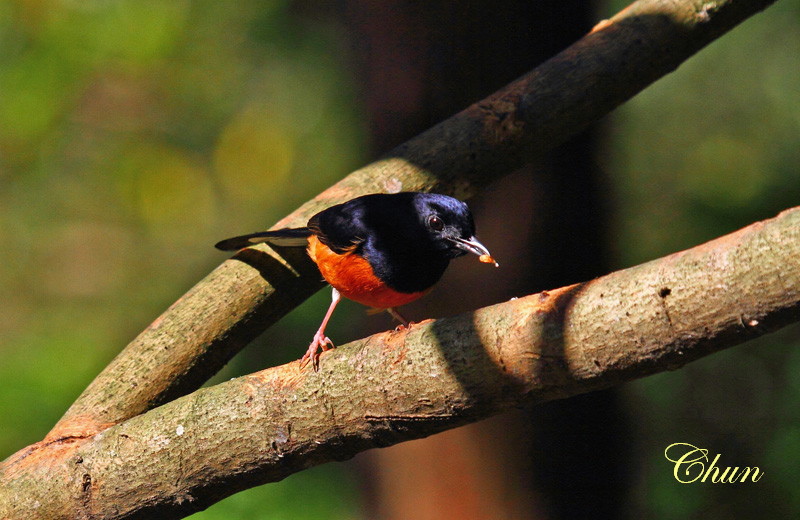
450, 226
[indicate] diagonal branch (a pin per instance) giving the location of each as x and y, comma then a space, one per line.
397, 386
195, 337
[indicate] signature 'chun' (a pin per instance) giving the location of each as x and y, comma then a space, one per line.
692, 465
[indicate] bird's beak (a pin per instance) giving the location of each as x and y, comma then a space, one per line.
471, 245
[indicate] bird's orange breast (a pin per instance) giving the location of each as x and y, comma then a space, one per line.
355, 279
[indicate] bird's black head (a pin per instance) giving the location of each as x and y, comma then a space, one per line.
449, 225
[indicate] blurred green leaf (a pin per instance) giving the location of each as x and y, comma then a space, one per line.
321, 493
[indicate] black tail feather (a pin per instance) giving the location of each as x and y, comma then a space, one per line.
294, 237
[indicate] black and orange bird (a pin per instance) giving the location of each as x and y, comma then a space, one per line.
380, 250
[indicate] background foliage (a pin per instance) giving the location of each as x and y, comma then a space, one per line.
707, 150
134, 134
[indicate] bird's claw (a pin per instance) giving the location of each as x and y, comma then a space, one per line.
404, 326
321, 342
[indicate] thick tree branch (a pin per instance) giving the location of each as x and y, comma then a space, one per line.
397, 386
195, 337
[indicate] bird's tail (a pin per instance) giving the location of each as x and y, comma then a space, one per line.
294, 237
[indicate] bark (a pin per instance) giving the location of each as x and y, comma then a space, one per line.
401, 385
195, 337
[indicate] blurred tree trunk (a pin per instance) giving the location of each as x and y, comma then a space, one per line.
419, 63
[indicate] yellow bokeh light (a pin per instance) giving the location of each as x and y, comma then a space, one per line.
254, 155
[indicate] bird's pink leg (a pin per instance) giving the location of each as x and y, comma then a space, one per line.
321, 341
404, 323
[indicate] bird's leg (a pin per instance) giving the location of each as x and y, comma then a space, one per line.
404, 323
321, 341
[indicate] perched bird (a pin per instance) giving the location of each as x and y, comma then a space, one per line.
381, 250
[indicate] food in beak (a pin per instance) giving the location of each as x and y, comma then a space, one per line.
487, 259
472, 245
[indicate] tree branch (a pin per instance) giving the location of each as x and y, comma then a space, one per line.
397, 386
195, 337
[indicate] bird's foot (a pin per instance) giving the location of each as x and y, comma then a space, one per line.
404, 323
404, 326
320, 342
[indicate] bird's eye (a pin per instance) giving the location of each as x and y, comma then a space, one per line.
435, 223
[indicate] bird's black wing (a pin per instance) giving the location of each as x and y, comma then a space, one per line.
343, 227
289, 237
340, 227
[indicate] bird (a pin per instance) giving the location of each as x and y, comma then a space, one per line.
381, 250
